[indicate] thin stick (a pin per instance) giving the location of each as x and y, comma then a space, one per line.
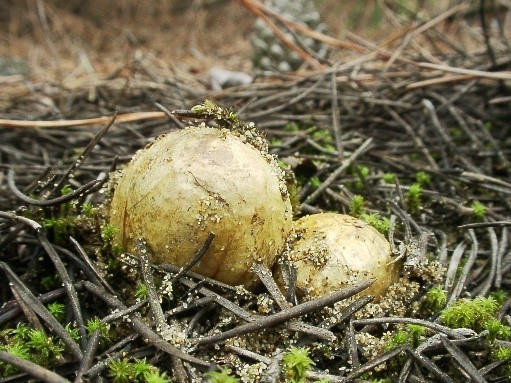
453, 333
32, 369
127, 117
283, 316
81, 158
463, 360
202, 251
382, 358
467, 268
88, 355
344, 165
251, 4
424, 27
152, 294
503, 75
336, 124
426, 362
275, 29
145, 331
64, 198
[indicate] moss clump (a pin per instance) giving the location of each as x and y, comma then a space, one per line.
296, 363
382, 224
222, 376
470, 313
479, 210
357, 207
411, 334
435, 299
414, 198
138, 370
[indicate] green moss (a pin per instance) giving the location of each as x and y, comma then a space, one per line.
315, 182
435, 299
470, 313
50, 282
141, 291
37, 346
503, 353
400, 338
479, 210
222, 376
108, 232
296, 363
423, 178
497, 330
414, 198
412, 335
66, 189
58, 310
121, 371
62, 226
415, 156
455, 132
45, 350
117, 250
357, 207
322, 135
276, 142
156, 377
64, 221
382, 224
500, 296
283, 165
389, 178
106, 333
141, 367
88, 209
291, 127
417, 332
363, 173
17, 349
138, 370
73, 332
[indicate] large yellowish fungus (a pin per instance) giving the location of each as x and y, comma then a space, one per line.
202, 180
333, 251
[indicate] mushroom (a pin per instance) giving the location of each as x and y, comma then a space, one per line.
331, 251
201, 180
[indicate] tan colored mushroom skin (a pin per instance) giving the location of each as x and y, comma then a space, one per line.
333, 251
199, 180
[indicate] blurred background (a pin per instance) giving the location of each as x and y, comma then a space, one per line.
68, 36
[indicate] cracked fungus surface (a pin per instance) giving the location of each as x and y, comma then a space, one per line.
332, 251
199, 180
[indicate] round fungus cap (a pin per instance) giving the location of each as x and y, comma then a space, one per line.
201, 180
332, 251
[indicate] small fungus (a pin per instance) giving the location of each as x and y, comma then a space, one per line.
332, 251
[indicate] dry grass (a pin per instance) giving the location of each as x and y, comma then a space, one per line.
61, 36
